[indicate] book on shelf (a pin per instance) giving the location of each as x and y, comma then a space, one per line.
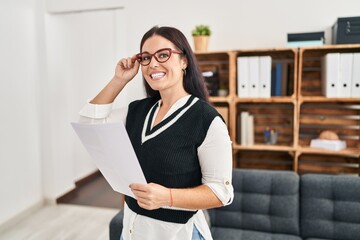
277, 78
334, 145
246, 129
243, 128
250, 126
305, 39
280, 78
310, 43
305, 36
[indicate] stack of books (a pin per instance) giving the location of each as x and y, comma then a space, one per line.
305, 39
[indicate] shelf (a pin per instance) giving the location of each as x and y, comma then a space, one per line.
215, 99
334, 47
266, 100
351, 152
264, 147
325, 99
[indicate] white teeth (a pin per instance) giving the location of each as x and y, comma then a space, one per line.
157, 75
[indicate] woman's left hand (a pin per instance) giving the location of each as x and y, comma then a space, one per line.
151, 196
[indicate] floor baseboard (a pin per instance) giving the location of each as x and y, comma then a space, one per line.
27, 212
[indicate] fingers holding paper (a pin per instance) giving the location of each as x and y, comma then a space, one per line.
151, 196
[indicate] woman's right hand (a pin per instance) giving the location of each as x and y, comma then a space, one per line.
126, 69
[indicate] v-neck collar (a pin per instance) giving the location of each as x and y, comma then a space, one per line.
148, 132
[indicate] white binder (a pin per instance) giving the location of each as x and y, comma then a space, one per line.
355, 82
330, 74
265, 77
344, 83
254, 69
242, 77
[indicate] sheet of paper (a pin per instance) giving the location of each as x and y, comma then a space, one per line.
109, 146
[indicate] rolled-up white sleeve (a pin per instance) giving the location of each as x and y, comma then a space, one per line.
215, 157
101, 113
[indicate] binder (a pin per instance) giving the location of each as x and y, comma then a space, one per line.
355, 81
344, 81
277, 80
254, 69
242, 77
265, 77
330, 74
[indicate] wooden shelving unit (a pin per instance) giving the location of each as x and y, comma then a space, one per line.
318, 113
299, 116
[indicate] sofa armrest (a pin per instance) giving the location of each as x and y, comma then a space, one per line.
266, 201
116, 226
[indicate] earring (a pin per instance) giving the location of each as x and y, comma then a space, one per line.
184, 70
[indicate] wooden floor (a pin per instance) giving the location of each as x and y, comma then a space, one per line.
82, 214
62, 222
93, 191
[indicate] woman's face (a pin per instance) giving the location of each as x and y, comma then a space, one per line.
165, 77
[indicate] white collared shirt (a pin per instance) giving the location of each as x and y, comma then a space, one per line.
215, 157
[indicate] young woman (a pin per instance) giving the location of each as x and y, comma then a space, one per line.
181, 142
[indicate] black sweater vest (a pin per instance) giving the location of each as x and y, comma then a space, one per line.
169, 158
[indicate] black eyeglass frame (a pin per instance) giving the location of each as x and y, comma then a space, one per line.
171, 51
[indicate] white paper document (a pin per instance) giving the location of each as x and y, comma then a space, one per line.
109, 146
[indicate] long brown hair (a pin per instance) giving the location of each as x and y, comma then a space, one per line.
193, 81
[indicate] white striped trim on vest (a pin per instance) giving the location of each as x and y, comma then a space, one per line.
174, 117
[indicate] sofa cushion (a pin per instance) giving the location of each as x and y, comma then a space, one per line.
266, 201
238, 234
330, 207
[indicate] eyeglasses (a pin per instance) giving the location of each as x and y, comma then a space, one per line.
161, 55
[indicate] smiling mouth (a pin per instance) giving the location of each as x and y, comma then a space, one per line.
157, 75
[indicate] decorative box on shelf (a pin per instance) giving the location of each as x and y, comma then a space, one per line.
335, 145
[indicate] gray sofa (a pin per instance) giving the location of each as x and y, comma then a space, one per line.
281, 205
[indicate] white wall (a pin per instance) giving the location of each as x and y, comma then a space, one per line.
51, 63
20, 171
239, 24
82, 49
